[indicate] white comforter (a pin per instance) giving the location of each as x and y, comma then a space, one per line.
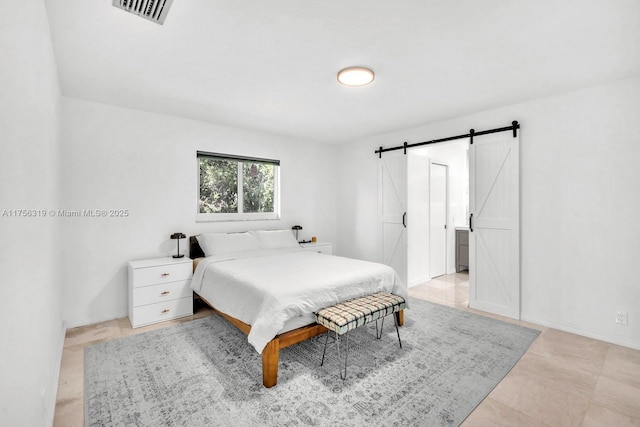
266, 289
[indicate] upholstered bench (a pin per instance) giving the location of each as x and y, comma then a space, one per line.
345, 316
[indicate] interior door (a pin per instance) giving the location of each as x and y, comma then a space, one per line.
393, 211
437, 219
494, 233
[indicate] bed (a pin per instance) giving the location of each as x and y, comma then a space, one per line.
265, 284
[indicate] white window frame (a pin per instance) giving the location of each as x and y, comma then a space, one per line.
239, 216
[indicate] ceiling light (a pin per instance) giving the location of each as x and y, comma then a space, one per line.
355, 76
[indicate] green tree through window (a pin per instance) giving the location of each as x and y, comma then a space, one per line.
231, 187
218, 186
257, 186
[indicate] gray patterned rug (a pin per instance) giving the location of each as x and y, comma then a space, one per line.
204, 373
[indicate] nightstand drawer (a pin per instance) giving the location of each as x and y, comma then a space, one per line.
322, 248
159, 293
161, 274
154, 313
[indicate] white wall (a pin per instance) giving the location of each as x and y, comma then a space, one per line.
117, 158
580, 182
31, 328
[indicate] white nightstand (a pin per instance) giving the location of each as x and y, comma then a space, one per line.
321, 247
159, 290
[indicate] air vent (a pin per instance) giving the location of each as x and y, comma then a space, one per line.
153, 10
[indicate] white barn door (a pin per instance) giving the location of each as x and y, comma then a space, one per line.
393, 211
494, 238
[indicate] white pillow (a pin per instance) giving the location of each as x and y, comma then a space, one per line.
223, 243
274, 239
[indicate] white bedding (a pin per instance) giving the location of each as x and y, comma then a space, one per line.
272, 289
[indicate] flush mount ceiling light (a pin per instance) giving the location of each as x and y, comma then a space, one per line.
355, 76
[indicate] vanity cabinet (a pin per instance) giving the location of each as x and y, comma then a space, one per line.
462, 249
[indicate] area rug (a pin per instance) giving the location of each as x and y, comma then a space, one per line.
204, 373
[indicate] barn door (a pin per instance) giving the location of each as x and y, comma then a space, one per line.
494, 238
393, 211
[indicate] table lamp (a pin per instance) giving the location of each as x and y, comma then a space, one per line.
178, 236
296, 229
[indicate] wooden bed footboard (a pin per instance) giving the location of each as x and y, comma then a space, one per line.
271, 352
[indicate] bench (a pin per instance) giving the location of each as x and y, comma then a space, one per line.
346, 316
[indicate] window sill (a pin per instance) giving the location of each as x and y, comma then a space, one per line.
236, 217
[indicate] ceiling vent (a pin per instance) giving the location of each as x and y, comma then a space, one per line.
153, 10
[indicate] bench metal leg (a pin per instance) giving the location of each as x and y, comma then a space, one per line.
325, 347
343, 376
343, 373
395, 319
379, 334
346, 353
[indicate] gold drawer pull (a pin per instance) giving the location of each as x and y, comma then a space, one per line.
165, 293
165, 274
166, 310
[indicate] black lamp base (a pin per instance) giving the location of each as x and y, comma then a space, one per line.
178, 236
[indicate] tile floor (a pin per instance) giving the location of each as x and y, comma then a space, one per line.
562, 380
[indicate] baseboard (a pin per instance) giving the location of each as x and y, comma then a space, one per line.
416, 282
76, 323
598, 335
50, 403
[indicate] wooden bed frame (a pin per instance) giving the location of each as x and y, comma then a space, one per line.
271, 353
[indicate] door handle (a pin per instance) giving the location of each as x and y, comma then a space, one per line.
471, 223
404, 222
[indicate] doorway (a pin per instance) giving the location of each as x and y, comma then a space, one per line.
449, 161
488, 210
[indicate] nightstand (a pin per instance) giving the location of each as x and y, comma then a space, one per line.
320, 247
159, 290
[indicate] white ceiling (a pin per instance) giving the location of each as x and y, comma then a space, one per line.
271, 65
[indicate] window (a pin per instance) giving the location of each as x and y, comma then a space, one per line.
237, 188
